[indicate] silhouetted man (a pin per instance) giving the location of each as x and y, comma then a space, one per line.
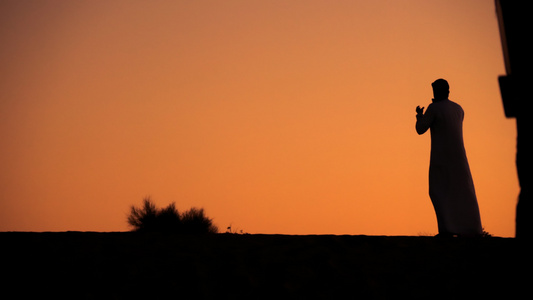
451, 187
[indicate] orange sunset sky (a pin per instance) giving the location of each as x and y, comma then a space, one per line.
290, 117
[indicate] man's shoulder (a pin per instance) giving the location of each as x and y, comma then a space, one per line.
445, 107
452, 104
457, 106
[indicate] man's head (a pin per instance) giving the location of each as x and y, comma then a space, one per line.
441, 89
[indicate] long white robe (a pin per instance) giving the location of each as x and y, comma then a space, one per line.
451, 187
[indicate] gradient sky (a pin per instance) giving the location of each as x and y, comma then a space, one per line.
290, 117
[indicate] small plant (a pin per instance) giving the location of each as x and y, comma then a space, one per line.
485, 233
148, 218
231, 230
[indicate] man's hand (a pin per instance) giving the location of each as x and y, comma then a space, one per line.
419, 111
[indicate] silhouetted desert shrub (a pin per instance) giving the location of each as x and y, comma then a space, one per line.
169, 219
195, 221
144, 218
150, 219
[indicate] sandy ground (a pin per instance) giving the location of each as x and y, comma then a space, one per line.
125, 265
